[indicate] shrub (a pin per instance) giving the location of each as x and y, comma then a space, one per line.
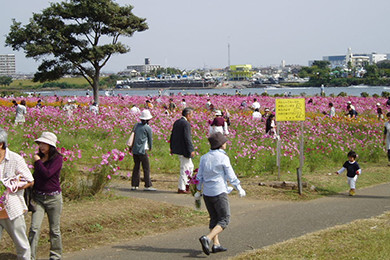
364, 94
342, 94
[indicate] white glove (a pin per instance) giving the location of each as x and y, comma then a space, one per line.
241, 191
197, 195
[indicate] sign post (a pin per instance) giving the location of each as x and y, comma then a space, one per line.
292, 109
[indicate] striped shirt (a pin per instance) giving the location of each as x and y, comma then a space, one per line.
13, 165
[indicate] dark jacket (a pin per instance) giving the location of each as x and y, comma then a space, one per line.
181, 140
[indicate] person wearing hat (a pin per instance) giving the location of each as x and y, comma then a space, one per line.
142, 142
218, 124
21, 111
47, 194
349, 103
214, 171
13, 166
379, 111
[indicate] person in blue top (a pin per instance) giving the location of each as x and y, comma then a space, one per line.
353, 171
214, 172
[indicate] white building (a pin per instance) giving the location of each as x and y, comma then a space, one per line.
144, 68
7, 65
356, 60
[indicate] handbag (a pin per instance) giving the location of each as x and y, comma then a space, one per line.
28, 198
130, 141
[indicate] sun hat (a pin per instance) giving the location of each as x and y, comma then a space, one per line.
217, 140
378, 104
218, 113
145, 115
266, 110
349, 102
47, 138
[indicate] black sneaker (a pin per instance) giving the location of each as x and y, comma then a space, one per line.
217, 249
205, 242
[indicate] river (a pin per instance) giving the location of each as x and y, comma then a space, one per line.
309, 91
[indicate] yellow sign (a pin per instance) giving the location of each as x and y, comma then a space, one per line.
290, 109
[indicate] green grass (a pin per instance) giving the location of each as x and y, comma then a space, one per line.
361, 239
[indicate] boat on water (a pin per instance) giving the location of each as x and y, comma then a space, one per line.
168, 82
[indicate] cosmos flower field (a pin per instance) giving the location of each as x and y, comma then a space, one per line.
88, 140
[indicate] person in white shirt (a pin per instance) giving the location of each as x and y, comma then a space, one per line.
94, 108
256, 114
21, 111
13, 167
255, 104
135, 110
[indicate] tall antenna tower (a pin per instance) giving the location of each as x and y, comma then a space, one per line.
228, 55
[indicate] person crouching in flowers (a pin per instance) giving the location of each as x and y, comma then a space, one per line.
214, 171
47, 194
353, 170
13, 166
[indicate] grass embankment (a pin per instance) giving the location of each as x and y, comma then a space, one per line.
361, 239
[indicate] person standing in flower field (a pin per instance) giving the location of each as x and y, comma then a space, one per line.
181, 144
353, 171
143, 142
386, 137
47, 194
214, 171
21, 111
12, 167
379, 111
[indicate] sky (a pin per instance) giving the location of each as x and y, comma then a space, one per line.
189, 34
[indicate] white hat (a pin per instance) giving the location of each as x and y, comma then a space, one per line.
145, 115
349, 102
47, 138
378, 104
266, 110
69, 100
218, 113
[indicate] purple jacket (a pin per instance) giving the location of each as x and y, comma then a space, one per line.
47, 175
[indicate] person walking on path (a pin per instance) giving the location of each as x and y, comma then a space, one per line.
21, 111
13, 166
353, 171
386, 137
214, 172
181, 144
47, 194
143, 141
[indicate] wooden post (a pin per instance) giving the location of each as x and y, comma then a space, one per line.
300, 169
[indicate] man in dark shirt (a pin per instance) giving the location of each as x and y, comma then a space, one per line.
181, 144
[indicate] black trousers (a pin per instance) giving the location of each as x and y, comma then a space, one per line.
138, 159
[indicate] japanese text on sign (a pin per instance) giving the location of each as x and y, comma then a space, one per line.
291, 109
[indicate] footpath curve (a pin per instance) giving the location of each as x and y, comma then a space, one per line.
254, 224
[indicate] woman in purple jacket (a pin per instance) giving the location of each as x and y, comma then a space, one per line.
47, 194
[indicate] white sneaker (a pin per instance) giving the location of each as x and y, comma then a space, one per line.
134, 188
149, 189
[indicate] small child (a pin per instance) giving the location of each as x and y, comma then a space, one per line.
353, 170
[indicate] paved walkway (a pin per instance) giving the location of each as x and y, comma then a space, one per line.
254, 224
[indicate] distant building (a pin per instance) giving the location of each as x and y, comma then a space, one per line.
145, 68
356, 60
7, 65
240, 72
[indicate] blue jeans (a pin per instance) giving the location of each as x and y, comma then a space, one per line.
52, 205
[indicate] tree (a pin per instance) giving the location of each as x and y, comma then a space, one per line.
321, 64
5, 80
76, 37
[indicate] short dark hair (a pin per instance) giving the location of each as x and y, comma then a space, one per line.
352, 154
187, 111
330, 104
388, 114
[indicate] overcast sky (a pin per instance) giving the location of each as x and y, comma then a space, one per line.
195, 33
